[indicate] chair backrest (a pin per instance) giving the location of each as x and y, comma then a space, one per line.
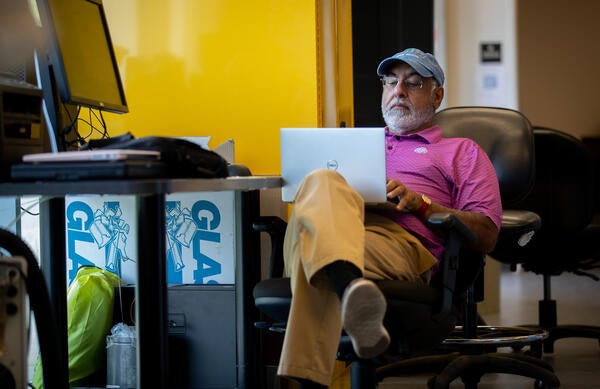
592, 143
564, 191
506, 136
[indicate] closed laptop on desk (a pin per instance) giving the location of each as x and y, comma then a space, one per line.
358, 154
100, 164
97, 155
72, 171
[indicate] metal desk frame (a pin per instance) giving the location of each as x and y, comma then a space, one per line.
151, 289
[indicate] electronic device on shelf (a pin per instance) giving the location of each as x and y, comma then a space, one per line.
21, 128
13, 323
90, 165
96, 155
20, 122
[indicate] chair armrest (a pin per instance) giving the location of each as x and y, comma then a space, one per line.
449, 222
458, 236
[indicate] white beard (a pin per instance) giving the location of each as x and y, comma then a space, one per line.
401, 121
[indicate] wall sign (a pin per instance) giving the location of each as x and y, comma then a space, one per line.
490, 52
491, 75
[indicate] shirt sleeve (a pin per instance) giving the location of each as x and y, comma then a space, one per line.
476, 183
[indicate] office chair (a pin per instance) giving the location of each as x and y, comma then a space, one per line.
507, 137
420, 317
592, 143
564, 196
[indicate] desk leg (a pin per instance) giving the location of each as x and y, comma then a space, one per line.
151, 293
53, 258
249, 262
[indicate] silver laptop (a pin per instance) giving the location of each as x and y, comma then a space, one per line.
358, 154
96, 155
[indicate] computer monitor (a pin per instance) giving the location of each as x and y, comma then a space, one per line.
77, 67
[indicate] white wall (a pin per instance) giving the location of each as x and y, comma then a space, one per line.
439, 36
461, 26
468, 23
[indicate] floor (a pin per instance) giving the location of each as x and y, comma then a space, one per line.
576, 360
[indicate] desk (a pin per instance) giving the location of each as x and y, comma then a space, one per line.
151, 293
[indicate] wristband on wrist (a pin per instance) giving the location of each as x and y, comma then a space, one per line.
425, 204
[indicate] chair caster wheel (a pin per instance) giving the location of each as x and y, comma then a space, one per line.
433, 384
535, 352
517, 347
539, 384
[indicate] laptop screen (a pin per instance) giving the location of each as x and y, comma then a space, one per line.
358, 154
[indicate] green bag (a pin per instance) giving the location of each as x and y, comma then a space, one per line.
90, 300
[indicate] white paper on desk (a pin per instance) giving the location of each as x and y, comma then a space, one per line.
199, 140
226, 150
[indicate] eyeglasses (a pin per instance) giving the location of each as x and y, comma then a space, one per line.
412, 83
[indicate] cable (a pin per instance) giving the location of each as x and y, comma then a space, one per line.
105, 134
26, 210
73, 120
120, 294
70, 128
94, 117
55, 368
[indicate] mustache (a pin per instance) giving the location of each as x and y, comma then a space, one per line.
398, 101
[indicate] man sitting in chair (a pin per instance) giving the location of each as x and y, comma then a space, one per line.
333, 246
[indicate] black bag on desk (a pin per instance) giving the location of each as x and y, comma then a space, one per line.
183, 158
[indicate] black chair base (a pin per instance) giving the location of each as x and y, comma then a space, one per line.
471, 358
479, 356
570, 331
567, 331
472, 367
468, 359
490, 338
548, 317
473, 353
448, 367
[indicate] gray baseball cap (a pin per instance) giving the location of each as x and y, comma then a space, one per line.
424, 63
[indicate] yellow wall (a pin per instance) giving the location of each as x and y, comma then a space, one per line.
224, 68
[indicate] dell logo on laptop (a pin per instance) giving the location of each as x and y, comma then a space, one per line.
332, 164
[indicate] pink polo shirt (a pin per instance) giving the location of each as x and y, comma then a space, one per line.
453, 172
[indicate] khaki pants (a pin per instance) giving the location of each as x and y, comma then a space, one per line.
328, 223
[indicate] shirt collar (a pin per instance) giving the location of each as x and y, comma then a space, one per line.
430, 135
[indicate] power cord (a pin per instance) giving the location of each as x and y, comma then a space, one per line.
55, 367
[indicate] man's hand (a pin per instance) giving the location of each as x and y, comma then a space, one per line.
410, 201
